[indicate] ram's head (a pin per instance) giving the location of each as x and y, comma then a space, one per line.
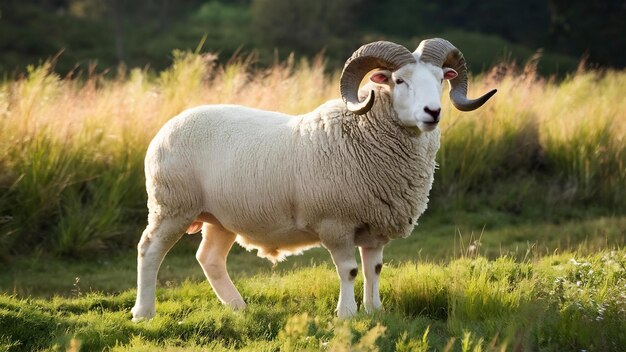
414, 80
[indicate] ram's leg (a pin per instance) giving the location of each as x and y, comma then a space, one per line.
157, 239
215, 245
372, 261
338, 238
347, 269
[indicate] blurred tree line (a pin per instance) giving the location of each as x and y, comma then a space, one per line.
144, 32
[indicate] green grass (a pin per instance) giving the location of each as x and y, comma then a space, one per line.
558, 302
490, 284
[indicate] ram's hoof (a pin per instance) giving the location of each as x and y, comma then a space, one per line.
371, 308
237, 304
141, 314
347, 311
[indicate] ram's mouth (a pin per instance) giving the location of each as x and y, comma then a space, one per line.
425, 126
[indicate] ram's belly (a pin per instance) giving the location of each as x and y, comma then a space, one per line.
277, 246
274, 239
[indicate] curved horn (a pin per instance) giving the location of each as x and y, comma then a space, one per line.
381, 54
442, 53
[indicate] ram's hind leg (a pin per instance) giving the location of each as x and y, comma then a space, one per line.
157, 239
215, 245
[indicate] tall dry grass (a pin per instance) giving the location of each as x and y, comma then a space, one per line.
568, 136
71, 149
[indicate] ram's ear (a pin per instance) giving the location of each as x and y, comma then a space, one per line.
449, 73
381, 77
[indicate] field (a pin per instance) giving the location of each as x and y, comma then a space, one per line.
521, 247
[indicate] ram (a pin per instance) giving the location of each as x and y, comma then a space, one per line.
350, 173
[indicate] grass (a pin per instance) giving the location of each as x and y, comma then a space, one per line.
557, 302
444, 288
521, 247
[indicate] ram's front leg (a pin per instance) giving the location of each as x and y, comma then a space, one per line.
347, 270
339, 240
372, 261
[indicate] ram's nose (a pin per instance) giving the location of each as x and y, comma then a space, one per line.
434, 113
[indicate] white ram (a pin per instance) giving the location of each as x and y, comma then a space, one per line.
351, 173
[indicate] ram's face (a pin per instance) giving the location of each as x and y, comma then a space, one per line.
416, 93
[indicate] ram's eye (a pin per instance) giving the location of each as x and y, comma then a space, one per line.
399, 81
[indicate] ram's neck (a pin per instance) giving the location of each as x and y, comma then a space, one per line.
404, 159
385, 166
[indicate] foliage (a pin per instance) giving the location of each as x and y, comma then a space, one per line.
592, 28
306, 26
31, 34
142, 33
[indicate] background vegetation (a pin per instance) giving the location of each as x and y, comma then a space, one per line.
142, 33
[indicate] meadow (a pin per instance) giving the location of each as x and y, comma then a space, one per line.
521, 247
